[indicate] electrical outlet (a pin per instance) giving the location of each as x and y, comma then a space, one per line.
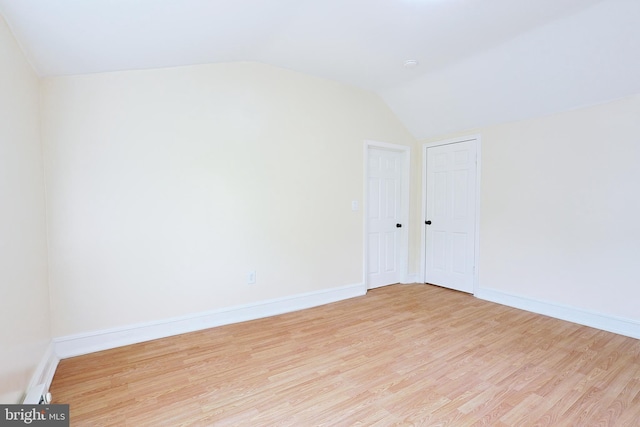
251, 277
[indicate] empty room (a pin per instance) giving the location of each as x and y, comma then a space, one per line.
278, 212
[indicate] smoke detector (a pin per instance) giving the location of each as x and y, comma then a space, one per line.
411, 63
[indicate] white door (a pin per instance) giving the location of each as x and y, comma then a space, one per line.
450, 215
384, 216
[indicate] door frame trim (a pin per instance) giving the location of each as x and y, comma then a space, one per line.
476, 253
404, 206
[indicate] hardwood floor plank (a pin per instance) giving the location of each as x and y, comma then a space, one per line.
405, 355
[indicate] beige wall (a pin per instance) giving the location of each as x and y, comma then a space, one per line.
560, 208
24, 295
166, 187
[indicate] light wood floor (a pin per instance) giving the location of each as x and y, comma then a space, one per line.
410, 355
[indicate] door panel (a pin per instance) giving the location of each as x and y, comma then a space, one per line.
384, 210
450, 206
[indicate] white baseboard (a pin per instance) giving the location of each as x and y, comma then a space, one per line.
42, 376
618, 325
75, 345
412, 278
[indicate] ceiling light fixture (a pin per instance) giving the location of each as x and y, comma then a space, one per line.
411, 63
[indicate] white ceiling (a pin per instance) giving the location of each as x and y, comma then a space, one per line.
357, 42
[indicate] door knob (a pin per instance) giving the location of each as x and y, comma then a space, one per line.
398, 225
428, 222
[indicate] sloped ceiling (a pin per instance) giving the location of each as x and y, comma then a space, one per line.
481, 61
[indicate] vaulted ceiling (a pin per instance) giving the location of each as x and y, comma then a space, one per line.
480, 61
